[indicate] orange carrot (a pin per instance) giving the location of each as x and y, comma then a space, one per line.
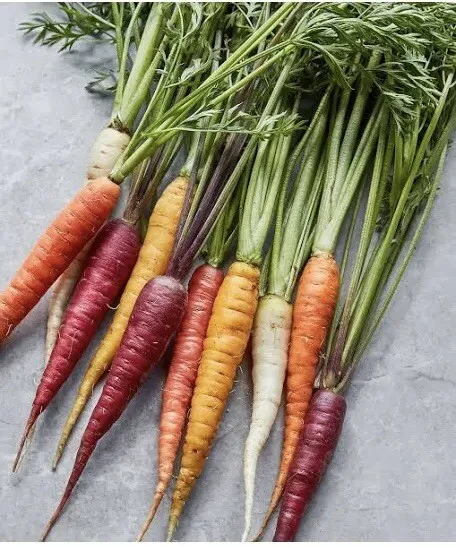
313, 312
75, 225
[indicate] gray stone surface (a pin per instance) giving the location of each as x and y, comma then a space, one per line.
393, 476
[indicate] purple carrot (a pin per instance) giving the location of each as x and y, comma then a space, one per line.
107, 268
318, 440
156, 317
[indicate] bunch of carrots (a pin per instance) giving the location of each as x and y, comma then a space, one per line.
289, 118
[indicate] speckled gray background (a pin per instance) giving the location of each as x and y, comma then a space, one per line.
393, 476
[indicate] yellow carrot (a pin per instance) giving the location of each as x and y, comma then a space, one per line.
152, 261
226, 341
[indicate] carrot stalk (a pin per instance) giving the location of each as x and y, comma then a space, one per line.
178, 389
318, 440
152, 261
57, 247
107, 269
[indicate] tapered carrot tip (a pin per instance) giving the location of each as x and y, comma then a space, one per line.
57, 457
153, 509
27, 436
171, 528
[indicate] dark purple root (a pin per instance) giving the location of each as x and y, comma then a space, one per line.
319, 437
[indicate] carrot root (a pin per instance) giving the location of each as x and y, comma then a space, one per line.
270, 340
156, 317
105, 152
178, 389
152, 261
56, 248
319, 437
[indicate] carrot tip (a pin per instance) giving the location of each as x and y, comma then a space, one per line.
171, 528
160, 490
56, 460
26, 438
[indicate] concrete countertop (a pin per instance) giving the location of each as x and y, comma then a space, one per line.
393, 476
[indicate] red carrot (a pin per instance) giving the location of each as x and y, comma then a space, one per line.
178, 389
156, 317
318, 440
106, 270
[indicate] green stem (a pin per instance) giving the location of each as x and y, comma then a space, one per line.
325, 380
334, 367
117, 15
287, 235
374, 274
327, 239
413, 244
149, 41
352, 131
122, 83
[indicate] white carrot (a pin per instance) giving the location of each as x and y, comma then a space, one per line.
271, 335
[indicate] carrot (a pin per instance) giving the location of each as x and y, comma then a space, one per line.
224, 346
270, 340
57, 247
318, 440
272, 326
107, 269
158, 311
152, 261
107, 149
178, 388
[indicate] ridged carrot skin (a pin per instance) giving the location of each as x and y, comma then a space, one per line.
106, 150
106, 271
224, 346
178, 389
156, 316
152, 261
270, 341
75, 225
319, 437
313, 312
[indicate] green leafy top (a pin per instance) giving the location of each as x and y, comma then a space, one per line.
403, 188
